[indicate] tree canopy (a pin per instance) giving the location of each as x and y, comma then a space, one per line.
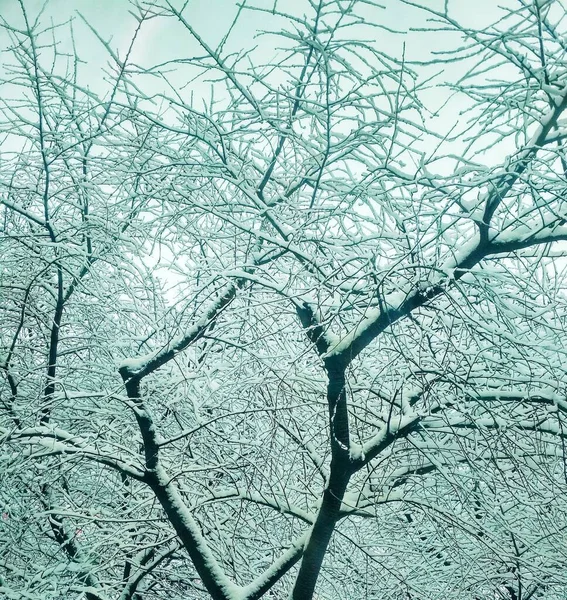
284, 317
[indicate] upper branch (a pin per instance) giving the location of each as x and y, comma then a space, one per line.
400, 304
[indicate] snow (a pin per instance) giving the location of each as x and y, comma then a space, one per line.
135, 365
24, 212
190, 533
460, 255
278, 565
10, 594
259, 373
59, 441
392, 301
356, 452
366, 500
397, 424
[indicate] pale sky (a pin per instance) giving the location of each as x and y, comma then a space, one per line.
164, 39
211, 19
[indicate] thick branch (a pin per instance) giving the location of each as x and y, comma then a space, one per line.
144, 365
399, 305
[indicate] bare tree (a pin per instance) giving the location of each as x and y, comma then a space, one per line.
270, 327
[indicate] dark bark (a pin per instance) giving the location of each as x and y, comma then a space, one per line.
340, 472
166, 496
321, 533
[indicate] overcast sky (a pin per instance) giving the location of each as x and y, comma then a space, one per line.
211, 18
164, 39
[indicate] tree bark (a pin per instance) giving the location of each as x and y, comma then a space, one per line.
340, 472
321, 533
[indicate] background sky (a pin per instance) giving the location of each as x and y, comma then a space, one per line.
162, 40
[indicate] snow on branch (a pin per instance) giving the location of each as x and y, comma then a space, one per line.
56, 441
398, 305
139, 367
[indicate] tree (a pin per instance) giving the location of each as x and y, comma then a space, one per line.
269, 327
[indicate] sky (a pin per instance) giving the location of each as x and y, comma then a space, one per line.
160, 40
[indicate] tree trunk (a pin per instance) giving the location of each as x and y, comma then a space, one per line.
322, 531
